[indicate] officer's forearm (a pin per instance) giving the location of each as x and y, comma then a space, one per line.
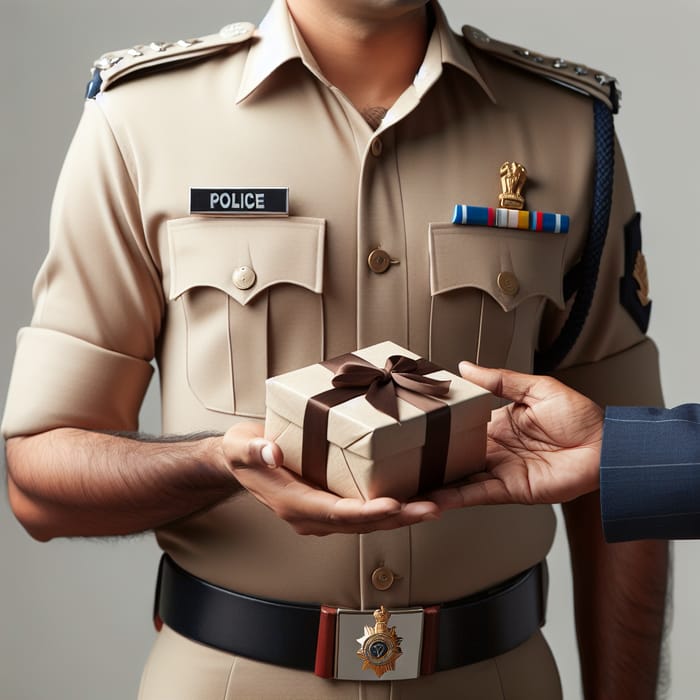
69, 482
620, 595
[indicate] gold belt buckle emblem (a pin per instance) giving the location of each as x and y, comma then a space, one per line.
381, 646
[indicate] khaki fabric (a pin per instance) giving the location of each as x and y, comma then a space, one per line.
132, 278
179, 669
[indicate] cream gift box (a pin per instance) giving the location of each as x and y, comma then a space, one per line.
334, 437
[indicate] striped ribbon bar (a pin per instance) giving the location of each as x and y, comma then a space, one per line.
497, 217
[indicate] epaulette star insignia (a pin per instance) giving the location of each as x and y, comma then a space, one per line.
571, 74
115, 65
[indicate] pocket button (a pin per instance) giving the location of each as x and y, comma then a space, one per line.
508, 283
244, 277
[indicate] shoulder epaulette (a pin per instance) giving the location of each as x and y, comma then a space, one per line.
115, 65
574, 76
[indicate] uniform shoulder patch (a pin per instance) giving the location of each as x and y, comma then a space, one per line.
115, 65
634, 285
570, 74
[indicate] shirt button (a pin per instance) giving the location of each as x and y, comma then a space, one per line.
508, 283
379, 261
244, 277
376, 147
383, 578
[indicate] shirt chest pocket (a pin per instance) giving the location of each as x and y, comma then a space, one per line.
251, 295
488, 289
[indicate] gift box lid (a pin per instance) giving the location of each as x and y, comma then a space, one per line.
356, 425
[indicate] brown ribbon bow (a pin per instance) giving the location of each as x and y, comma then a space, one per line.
383, 385
401, 378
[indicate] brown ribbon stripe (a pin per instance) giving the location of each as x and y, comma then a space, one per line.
401, 378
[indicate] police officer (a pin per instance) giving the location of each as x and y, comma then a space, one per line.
241, 204
552, 444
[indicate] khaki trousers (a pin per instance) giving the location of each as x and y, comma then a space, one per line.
179, 669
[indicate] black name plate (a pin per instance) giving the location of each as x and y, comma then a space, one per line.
240, 201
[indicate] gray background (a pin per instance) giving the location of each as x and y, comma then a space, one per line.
74, 615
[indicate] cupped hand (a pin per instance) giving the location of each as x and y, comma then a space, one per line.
544, 447
257, 464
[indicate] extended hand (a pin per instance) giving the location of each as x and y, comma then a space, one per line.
257, 464
542, 448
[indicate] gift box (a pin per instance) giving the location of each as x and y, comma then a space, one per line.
381, 421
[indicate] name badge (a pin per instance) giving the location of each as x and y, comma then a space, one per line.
240, 201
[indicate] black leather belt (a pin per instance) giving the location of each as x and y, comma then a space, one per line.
301, 636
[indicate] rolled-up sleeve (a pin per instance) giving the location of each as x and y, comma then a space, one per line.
85, 359
59, 381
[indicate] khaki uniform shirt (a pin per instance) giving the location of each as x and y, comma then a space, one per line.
132, 277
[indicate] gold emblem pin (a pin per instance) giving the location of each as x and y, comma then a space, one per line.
381, 646
513, 177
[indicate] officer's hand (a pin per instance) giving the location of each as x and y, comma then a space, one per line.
257, 465
542, 448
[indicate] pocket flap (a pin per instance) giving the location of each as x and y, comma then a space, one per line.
208, 252
510, 265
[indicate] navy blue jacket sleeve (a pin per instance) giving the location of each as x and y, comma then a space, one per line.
650, 473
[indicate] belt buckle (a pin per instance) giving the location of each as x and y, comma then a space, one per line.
381, 645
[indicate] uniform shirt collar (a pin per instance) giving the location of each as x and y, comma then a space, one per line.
273, 45
446, 47
278, 41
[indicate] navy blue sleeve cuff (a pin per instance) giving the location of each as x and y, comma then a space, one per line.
650, 473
